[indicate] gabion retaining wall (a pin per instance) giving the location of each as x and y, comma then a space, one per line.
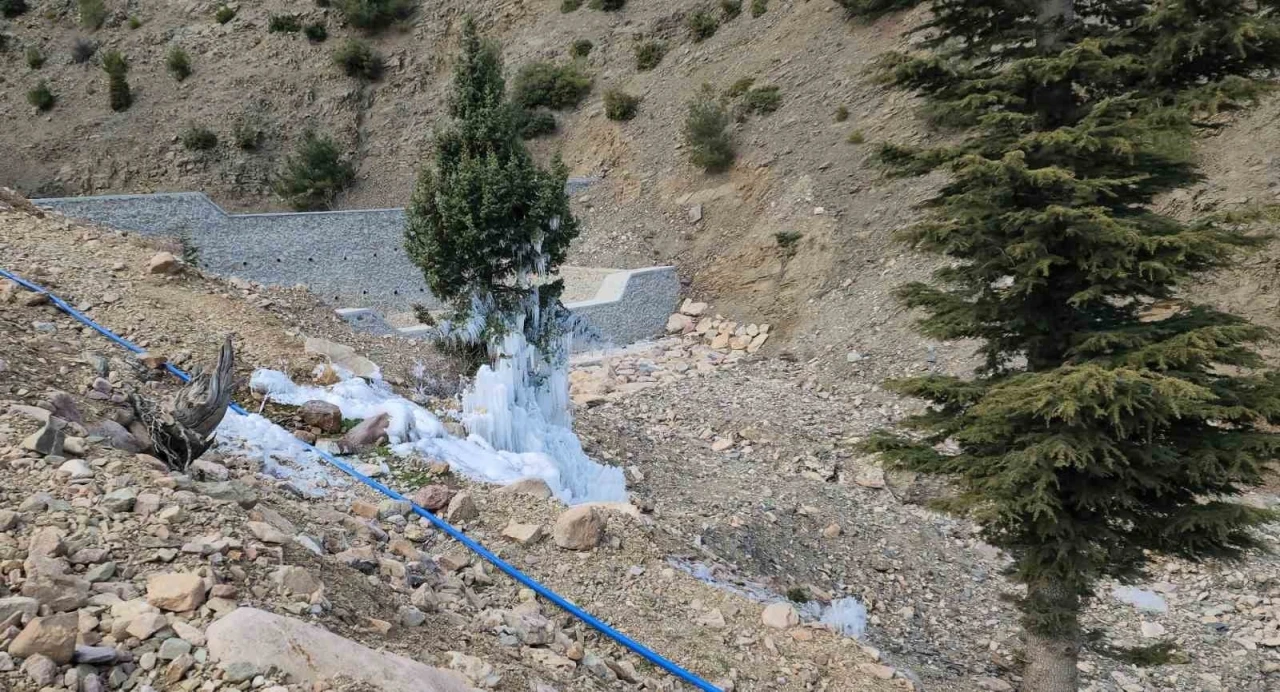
350, 258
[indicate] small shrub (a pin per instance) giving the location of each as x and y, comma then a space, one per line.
581, 48
554, 86
856, 137
372, 15
759, 7
607, 5
649, 54
190, 251
842, 114
315, 174
118, 94
92, 14
358, 59
535, 123
316, 32
248, 131
196, 138
798, 594
739, 87
12, 8
179, 63
82, 50
323, 3
702, 25
762, 100
731, 8
284, 24
787, 242
41, 97
224, 14
135, 22
619, 105
706, 133
35, 58
566, 6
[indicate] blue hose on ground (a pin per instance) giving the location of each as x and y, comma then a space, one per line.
525, 580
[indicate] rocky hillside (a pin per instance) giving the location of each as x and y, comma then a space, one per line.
797, 173
121, 574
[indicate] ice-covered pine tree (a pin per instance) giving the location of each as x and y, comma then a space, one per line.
486, 224
1098, 431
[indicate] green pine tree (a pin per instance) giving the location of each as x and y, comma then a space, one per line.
1098, 430
486, 224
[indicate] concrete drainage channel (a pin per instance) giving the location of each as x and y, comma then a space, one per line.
352, 259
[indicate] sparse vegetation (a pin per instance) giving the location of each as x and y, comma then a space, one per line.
535, 123
842, 114
178, 63
787, 242
702, 24
761, 100
41, 96
284, 24
358, 59
798, 594
374, 15
12, 8
739, 87
197, 138
35, 58
116, 66
135, 22
567, 6
92, 14
871, 9
731, 8
190, 250
224, 14
316, 32
706, 133
856, 137
82, 50
553, 86
759, 7
649, 54
619, 105
607, 5
249, 130
314, 175
581, 48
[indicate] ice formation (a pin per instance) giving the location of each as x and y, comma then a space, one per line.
1141, 599
517, 429
847, 616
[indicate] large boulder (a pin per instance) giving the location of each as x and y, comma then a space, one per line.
306, 653
53, 636
579, 528
323, 415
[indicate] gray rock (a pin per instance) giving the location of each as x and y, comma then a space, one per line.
120, 500
229, 491
208, 470
173, 647
48, 440
29, 607
239, 671
307, 653
95, 655
41, 669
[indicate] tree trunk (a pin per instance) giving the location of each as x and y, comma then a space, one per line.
1052, 638
1054, 19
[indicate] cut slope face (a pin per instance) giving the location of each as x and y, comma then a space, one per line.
796, 176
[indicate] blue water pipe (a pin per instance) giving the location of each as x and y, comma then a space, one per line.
475, 547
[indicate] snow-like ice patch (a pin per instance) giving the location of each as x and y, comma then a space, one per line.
1141, 599
847, 616
515, 433
281, 454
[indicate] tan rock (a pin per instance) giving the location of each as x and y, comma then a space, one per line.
524, 534
534, 487
876, 670
692, 309
780, 616
163, 263
461, 508
175, 591
579, 528
323, 415
267, 533
757, 342
679, 324
53, 636
833, 530
739, 343
721, 340
871, 477
307, 654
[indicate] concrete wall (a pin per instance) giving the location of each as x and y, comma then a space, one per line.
353, 259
